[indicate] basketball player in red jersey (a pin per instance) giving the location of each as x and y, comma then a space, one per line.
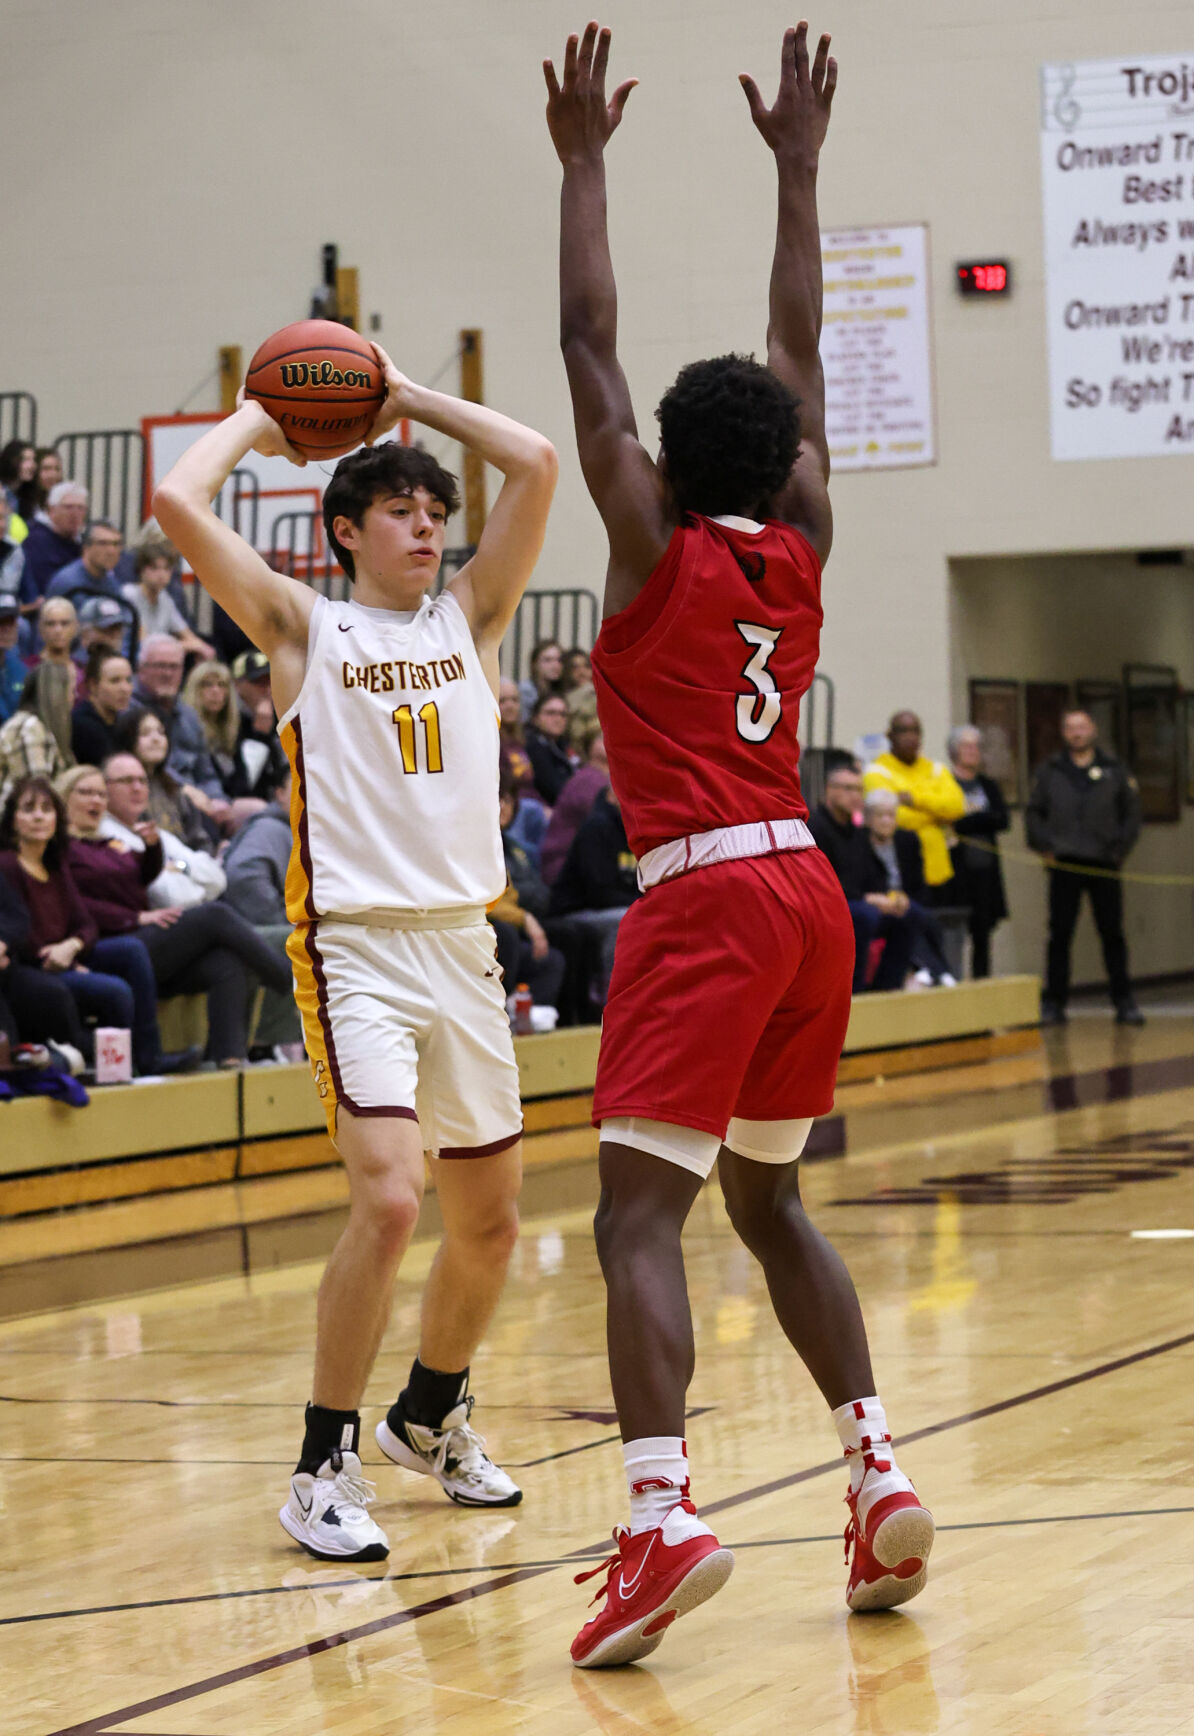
731, 988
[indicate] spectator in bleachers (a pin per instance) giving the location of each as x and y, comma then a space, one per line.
112, 985
12, 664
599, 881
156, 610
901, 860
255, 865
58, 630
103, 621
49, 474
93, 574
171, 804
18, 481
53, 542
196, 946
189, 877
35, 742
514, 760
546, 675
107, 692
927, 793
159, 678
524, 951
260, 751
35, 1005
552, 760
250, 770
579, 691
877, 914
978, 873
12, 554
575, 803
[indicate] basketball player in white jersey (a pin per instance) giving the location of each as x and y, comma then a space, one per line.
388, 713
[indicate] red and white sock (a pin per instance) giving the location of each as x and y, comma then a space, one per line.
656, 1476
866, 1442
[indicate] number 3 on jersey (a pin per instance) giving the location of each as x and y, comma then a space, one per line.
403, 717
758, 712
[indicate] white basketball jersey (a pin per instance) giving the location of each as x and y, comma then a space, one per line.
393, 741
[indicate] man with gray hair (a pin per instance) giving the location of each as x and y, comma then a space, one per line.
53, 542
902, 882
159, 677
92, 574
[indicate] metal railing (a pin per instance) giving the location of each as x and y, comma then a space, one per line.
110, 463
18, 417
571, 617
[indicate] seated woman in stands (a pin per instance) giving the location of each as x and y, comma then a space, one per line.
552, 759
203, 949
110, 979
140, 733
546, 675
107, 692
249, 770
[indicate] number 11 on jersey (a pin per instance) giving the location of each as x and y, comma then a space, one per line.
404, 718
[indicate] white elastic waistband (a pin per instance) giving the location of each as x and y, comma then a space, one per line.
726, 844
452, 916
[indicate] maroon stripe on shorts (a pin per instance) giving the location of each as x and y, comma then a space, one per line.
455, 1151
359, 1109
304, 838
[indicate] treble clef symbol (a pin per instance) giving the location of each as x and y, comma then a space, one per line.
1067, 111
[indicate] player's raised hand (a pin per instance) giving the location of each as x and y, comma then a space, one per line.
269, 441
795, 126
579, 118
397, 400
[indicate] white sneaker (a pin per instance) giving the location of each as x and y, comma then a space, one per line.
922, 980
947, 981
326, 1513
454, 1454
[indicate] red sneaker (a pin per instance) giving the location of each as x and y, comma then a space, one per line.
653, 1577
891, 1551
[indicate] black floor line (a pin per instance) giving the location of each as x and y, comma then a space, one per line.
360, 1578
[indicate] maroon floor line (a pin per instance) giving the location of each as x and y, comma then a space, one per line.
102, 1726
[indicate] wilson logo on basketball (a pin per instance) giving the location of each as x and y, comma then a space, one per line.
321, 374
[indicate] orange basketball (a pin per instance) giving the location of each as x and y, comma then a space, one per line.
321, 383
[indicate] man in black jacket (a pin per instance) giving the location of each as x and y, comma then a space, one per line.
1084, 814
876, 914
598, 882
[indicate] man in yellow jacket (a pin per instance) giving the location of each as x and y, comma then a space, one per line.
929, 794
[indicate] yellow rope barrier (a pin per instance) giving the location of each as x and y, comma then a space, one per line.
1032, 860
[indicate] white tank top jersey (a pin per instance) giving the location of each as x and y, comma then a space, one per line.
393, 741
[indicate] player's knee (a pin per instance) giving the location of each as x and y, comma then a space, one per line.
493, 1234
392, 1214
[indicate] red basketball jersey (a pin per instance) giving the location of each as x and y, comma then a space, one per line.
699, 682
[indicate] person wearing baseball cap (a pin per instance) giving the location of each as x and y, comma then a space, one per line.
259, 751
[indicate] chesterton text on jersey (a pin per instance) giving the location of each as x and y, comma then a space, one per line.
413, 677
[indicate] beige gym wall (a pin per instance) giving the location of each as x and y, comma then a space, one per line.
174, 166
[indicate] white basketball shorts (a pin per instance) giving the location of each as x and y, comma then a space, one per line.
410, 1023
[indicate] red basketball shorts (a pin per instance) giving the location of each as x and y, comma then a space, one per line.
730, 996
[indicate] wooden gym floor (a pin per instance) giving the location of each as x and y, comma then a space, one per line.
1036, 1352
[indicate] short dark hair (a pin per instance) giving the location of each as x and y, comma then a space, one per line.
97, 656
730, 432
101, 524
56, 847
837, 759
151, 554
373, 472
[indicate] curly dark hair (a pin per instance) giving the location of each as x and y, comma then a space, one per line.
375, 472
56, 848
730, 432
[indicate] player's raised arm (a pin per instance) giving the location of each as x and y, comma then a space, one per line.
795, 129
621, 477
272, 610
490, 586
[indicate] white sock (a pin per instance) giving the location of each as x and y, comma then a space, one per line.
656, 1476
866, 1442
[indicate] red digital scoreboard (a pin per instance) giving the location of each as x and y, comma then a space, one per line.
984, 277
